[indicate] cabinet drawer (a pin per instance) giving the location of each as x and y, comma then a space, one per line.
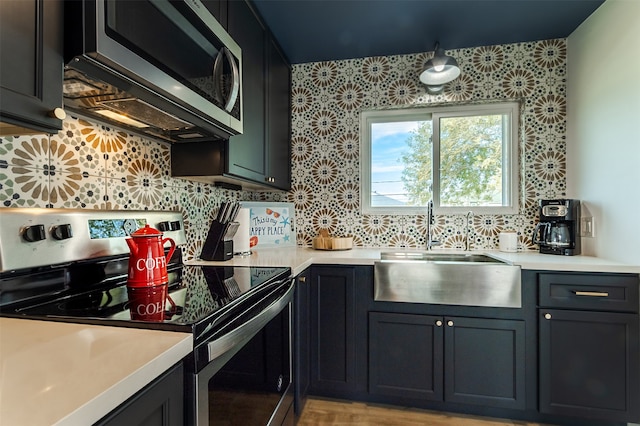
603, 292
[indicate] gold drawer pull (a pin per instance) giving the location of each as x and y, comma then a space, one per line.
592, 293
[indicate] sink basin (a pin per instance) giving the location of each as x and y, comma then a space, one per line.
439, 257
467, 279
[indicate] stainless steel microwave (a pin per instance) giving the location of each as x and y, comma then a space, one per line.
163, 68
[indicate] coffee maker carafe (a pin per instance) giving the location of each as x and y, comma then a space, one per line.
557, 232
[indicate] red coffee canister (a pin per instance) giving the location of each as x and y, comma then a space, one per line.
147, 262
148, 303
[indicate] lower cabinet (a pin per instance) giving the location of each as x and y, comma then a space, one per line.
589, 346
159, 404
454, 359
485, 362
406, 356
569, 356
339, 298
589, 365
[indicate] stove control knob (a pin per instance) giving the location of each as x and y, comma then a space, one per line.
33, 233
61, 232
175, 225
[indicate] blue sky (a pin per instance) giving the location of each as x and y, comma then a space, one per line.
388, 143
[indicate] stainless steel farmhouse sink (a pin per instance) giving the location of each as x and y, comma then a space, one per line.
438, 257
467, 279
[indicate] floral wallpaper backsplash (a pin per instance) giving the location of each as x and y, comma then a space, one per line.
94, 166
327, 98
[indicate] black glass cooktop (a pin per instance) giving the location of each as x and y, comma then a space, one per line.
201, 295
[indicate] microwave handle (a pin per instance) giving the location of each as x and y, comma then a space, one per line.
235, 79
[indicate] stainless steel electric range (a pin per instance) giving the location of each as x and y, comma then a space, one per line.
71, 265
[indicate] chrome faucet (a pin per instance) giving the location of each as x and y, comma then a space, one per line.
430, 221
467, 231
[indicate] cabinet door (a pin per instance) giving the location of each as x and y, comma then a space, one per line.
246, 152
30, 65
278, 119
159, 404
589, 364
302, 327
485, 362
405, 356
338, 333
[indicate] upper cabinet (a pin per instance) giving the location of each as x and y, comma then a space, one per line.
262, 152
260, 157
247, 152
31, 43
278, 132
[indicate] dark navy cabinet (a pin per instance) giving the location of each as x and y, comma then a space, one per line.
260, 157
31, 64
278, 126
159, 404
247, 152
462, 360
569, 355
406, 356
589, 339
339, 297
484, 362
262, 152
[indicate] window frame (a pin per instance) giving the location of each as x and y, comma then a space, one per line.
510, 156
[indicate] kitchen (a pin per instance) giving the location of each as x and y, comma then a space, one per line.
92, 166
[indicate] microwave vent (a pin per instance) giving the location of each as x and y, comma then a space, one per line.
191, 135
146, 113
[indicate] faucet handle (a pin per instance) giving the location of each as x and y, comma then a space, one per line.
432, 243
431, 218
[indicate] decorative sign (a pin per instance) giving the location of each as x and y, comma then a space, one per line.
271, 224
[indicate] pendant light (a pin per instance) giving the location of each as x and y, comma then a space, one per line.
439, 70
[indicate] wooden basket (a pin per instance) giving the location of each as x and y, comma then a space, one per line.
332, 243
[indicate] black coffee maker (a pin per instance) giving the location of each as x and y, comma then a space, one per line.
557, 232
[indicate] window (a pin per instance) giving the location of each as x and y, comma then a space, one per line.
462, 157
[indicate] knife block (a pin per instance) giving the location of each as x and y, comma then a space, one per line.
214, 247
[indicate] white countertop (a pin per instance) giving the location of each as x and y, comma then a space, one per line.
55, 373
299, 258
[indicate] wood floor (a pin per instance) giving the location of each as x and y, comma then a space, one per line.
320, 412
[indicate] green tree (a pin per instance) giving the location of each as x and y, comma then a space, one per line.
416, 174
470, 161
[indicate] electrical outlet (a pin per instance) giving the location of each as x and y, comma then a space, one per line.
586, 227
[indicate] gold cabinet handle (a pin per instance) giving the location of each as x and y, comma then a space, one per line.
439, 323
591, 293
450, 323
547, 316
302, 279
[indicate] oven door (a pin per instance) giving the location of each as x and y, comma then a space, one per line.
248, 378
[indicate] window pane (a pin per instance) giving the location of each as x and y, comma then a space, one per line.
460, 157
401, 163
471, 160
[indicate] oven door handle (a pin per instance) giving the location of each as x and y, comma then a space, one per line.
247, 330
